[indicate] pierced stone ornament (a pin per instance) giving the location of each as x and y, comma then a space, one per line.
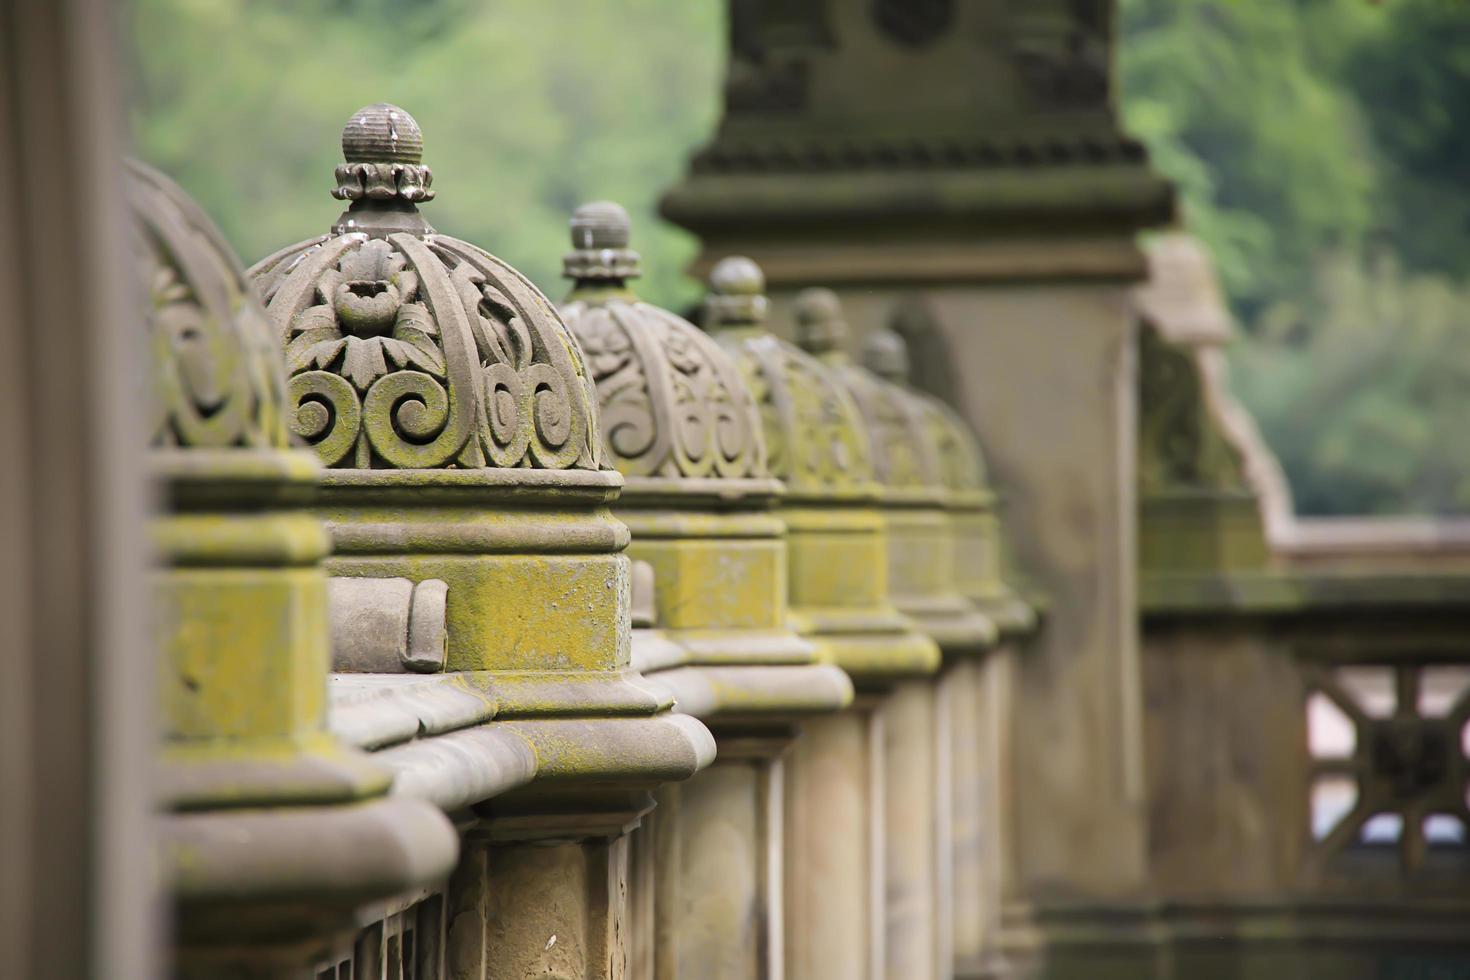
216, 368
814, 437
410, 349
672, 403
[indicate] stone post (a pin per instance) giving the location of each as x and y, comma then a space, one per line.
458, 423
276, 832
838, 885
922, 860
681, 425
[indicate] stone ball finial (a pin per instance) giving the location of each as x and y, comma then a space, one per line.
384, 149
600, 233
601, 224
820, 325
382, 133
737, 276
737, 294
886, 354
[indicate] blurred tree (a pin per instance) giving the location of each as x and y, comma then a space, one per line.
1319, 146
528, 109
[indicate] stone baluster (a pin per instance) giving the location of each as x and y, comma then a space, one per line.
926, 860
682, 427
458, 422
276, 832
971, 689
839, 801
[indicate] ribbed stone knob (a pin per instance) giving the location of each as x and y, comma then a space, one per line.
382, 133
820, 325
886, 354
382, 147
736, 294
600, 232
601, 224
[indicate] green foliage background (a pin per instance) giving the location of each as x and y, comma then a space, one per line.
1322, 148
528, 108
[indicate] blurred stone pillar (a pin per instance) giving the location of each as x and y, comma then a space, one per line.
77, 735
967, 159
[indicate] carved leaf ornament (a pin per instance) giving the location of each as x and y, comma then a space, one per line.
813, 432
814, 440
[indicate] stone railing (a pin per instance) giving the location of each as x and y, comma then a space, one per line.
654, 652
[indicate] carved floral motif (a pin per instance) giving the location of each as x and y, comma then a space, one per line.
902, 443
422, 352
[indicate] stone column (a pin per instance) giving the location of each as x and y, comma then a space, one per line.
839, 574
78, 727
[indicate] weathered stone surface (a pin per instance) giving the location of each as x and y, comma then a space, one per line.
410, 349
682, 426
267, 806
910, 468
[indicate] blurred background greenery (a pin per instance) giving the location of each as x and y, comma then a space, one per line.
1322, 148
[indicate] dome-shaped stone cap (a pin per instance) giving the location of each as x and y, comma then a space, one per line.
600, 233
813, 434
903, 450
410, 349
672, 402
960, 466
217, 379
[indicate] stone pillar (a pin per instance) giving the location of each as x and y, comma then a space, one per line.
839, 571
78, 727
276, 832
969, 155
682, 426
459, 426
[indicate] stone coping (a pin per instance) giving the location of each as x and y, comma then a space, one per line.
1286, 593
752, 674
459, 739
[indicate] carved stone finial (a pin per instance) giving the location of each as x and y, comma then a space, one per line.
383, 149
886, 354
821, 327
737, 294
671, 401
408, 349
600, 251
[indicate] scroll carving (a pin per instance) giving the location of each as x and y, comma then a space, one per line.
814, 440
671, 402
216, 370
424, 352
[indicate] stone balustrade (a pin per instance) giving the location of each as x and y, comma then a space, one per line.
498, 639
661, 622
